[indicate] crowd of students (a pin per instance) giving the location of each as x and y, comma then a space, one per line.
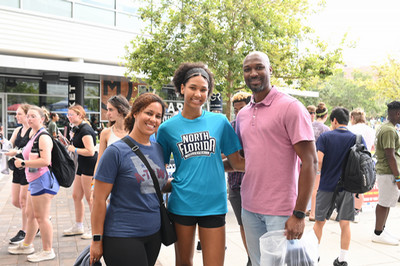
277, 134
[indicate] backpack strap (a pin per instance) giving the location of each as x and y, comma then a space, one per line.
36, 141
358, 139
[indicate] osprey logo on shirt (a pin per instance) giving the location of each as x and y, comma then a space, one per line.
196, 144
143, 176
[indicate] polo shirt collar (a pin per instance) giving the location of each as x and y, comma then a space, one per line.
267, 101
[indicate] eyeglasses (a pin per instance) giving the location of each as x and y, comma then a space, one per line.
312, 113
69, 115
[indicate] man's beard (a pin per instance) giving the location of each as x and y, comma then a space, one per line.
257, 88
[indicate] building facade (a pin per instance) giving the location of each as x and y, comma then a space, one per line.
55, 53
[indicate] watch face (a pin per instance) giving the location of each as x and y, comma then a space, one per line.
96, 237
299, 214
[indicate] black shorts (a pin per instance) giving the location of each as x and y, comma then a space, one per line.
86, 165
211, 221
19, 177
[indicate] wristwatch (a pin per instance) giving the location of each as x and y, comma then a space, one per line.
23, 164
299, 214
97, 238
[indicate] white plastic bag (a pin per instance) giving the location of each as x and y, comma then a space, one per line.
276, 250
5, 147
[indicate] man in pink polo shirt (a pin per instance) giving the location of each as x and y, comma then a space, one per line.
277, 137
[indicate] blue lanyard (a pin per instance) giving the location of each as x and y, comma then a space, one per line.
342, 127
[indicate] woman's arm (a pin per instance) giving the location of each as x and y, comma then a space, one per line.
88, 149
235, 162
104, 135
45, 146
101, 192
12, 140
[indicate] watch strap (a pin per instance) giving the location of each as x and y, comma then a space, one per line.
299, 214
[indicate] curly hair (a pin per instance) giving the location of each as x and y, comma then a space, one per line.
120, 103
241, 96
180, 75
395, 105
139, 104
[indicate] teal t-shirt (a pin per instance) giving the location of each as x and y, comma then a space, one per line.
199, 185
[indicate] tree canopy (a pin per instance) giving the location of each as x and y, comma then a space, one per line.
221, 33
388, 81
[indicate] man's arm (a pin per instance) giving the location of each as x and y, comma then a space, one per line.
234, 162
390, 157
307, 153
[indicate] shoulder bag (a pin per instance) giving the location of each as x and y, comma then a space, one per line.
168, 234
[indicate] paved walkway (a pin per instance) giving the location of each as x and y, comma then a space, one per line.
362, 251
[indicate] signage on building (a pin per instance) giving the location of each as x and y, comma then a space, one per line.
71, 95
110, 88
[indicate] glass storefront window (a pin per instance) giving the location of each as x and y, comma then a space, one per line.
22, 85
57, 88
52, 103
2, 84
92, 89
61, 8
93, 14
92, 105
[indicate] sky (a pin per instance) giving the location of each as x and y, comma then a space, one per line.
373, 25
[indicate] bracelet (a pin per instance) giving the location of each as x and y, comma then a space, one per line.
76, 150
397, 180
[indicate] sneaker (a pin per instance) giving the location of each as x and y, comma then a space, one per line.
74, 230
18, 238
198, 248
341, 263
392, 235
41, 256
21, 249
87, 235
384, 238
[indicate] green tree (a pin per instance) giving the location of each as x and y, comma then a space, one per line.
388, 81
221, 33
349, 92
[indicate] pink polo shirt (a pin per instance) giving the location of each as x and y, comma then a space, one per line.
268, 130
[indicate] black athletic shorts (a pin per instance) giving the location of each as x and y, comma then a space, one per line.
211, 221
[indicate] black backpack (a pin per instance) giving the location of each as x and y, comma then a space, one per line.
358, 172
62, 165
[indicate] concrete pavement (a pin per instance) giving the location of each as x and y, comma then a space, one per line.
362, 251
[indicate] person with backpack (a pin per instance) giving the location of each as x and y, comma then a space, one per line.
387, 146
333, 148
42, 188
359, 126
19, 188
